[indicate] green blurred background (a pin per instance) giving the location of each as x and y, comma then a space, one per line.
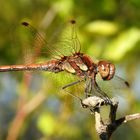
31, 107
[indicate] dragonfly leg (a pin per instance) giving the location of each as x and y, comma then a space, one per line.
93, 88
75, 96
88, 88
103, 95
71, 84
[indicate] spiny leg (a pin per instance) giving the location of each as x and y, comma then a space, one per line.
88, 88
75, 96
71, 84
103, 95
93, 88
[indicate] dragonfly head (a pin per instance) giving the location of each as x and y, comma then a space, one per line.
106, 70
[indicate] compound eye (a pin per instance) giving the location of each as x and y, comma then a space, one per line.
106, 70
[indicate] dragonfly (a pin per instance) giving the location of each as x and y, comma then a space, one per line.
77, 63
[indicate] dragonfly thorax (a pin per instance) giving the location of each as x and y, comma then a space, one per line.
80, 65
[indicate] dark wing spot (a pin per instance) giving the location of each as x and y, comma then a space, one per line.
25, 23
72, 21
127, 84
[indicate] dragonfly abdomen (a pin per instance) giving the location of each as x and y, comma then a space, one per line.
47, 66
27, 67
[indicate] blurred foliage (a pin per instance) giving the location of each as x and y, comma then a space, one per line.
107, 29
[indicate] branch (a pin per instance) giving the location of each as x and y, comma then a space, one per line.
128, 118
106, 128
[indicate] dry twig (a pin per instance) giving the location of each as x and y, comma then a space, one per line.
106, 128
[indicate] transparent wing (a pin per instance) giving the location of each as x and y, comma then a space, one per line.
64, 41
113, 87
